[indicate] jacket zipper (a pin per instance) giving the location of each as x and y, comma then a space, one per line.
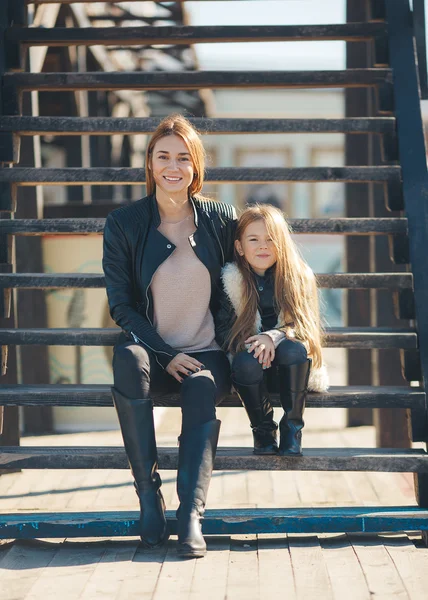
218, 240
136, 338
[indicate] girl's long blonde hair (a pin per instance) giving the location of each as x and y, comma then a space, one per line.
177, 125
296, 293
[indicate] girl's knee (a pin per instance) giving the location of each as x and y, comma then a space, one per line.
290, 352
246, 369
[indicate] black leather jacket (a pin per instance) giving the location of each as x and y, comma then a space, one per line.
134, 249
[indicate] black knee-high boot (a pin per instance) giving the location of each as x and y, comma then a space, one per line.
256, 401
196, 456
293, 389
136, 422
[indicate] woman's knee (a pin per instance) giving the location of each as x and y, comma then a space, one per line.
197, 388
246, 369
198, 399
290, 352
131, 370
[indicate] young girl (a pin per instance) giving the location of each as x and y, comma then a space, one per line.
269, 322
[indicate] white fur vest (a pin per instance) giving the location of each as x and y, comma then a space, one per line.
233, 286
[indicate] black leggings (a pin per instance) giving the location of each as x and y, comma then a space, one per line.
138, 375
246, 370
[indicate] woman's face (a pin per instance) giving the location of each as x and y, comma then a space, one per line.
172, 165
257, 247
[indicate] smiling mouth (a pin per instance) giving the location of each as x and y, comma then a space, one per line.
263, 255
172, 179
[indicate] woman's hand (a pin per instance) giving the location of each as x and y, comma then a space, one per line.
184, 364
263, 348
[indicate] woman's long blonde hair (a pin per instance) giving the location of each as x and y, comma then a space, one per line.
296, 293
177, 125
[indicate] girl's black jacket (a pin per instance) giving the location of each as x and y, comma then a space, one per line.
133, 251
232, 287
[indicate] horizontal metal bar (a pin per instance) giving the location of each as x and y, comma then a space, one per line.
100, 395
95, 280
174, 35
345, 337
146, 125
365, 519
186, 80
230, 459
133, 176
347, 226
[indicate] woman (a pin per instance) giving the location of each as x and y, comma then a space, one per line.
269, 321
162, 261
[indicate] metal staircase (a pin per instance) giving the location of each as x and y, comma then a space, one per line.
403, 176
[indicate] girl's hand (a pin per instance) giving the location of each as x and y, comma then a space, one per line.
263, 348
184, 364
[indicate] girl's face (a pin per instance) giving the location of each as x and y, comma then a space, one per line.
172, 165
257, 247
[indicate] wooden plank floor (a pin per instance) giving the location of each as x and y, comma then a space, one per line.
254, 567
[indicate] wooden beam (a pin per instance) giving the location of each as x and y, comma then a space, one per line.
101, 175
345, 337
235, 459
187, 35
225, 522
9, 418
31, 304
129, 125
415, 178
31, 280
100, 395
419, 28
392, 426
357, 206
195, 80
332, 226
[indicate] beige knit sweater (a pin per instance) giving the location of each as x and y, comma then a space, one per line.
181, 290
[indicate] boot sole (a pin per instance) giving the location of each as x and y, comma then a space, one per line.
287, 453
148, 546
191, 553
261, 451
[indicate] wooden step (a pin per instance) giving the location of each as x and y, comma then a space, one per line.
126, 175
335, 337
195, 80
348, 519
173, 35
345, 226
128, 125
100, 395
227, 459
389, 281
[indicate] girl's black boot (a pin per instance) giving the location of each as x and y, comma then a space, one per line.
138, 431
255, 399
293, 390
